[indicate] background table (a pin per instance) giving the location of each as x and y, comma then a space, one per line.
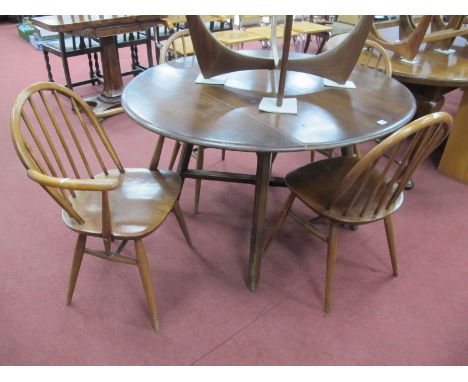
105, 28
433, 76
165, 100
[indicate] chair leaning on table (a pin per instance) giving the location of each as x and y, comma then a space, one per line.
55, 134
358, 191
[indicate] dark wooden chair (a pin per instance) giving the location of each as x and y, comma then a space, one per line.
65, 149
71, 46
350, 190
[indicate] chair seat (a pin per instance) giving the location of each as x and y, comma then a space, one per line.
137, 207
316, 183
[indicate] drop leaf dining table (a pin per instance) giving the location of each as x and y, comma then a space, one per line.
166, 100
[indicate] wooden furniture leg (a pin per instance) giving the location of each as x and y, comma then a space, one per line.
48, 68
145, 275
258, 221
175, 151
306, 46
66, 69
280, 220
454, 162
391, 243
331, 260
184, 160
154, 164
113, 85
200, 159
75, 269
183, 226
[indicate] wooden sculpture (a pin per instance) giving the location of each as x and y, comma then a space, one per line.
441, 35
337, 64
410, 37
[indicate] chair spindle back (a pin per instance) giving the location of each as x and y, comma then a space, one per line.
55, 133
375, 56
377, 180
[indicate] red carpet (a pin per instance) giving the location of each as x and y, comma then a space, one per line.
208, 317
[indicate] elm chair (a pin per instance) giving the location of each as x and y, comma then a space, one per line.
350, 190
64, 148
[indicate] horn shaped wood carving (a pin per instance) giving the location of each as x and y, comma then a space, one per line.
443, 34
337, 64
408, 47
214, 58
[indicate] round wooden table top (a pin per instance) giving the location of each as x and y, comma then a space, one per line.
165, 99
432, 68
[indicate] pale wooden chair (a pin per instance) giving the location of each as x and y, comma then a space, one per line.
359, 191
374, 56
61, 143
179, 44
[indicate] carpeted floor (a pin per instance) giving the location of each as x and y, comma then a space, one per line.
208, 317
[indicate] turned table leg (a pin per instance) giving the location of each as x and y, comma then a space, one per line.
258, 221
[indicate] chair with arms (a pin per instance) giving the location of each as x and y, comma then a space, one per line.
63, 146
360, 191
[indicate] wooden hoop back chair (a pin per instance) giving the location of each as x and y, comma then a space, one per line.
178, 44
359, 191
65, 149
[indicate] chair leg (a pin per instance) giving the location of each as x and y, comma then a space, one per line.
200, 159
180, 219
75, 269
175, 151
331, 259
48, 68
223, 154
279, 221
306, 45
145, 275
91, 69
391, 243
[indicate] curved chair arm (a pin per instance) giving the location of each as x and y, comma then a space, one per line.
76, 184
179, 34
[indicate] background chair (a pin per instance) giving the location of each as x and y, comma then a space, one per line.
63, 147
70, 46
359, 191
